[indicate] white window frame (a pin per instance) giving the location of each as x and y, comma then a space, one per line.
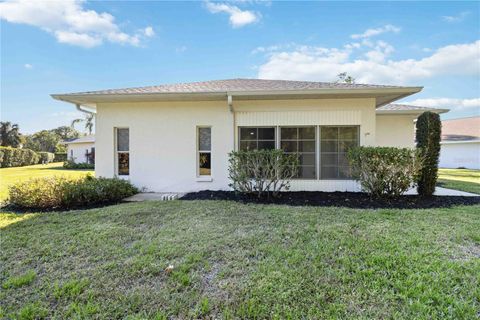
315, 140
116, 152
197, 164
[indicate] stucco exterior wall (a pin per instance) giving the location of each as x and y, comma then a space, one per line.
77, 151
395, 131
456, 155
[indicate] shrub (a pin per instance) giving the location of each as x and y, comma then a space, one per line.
46, 157
62, 192
60, 157
15, 157
428, 135
262, 171
70, 164
385, 171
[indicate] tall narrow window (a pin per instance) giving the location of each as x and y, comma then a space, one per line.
302, 142
335, 142
257, 138
205, 151
123, 151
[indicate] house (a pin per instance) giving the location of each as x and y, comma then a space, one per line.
177, 137
81, 150
460, 146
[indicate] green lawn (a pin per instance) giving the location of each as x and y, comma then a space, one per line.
10, 176
233, 260
460, 179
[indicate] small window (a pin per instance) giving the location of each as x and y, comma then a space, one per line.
257, 138
334, 145
204, 151
123, 151
300, 141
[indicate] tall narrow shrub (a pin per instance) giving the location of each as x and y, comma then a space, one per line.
428, 135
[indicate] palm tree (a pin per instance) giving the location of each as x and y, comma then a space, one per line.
88, 120
10, 135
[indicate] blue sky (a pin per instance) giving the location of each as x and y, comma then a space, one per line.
57, 47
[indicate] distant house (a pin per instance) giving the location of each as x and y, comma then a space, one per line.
81, 150
177, 137
460, 146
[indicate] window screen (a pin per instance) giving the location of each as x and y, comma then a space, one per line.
257, 138
302, 142
123, 151
204, 151
334, 144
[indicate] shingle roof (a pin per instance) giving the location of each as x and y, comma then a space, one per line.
465, 129
408, 107
84, 139
235, 85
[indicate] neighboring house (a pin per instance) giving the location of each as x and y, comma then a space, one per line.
177, 137
460, 146
81, 150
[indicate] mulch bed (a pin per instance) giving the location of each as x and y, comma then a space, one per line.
357, 200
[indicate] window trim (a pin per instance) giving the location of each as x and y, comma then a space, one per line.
203, 177
116, 152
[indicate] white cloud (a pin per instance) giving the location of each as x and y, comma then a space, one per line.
375, 32
238, 18
318, 63
449, 103
28, 66
181, 49
69, 22
458, 18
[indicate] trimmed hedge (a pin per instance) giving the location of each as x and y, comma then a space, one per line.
385, 171
70, 164
60, 157
15, 157
63, 193
46, 157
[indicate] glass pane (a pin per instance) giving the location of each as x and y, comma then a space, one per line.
204, 164
329, 172
306, 133
344, 145
348, 133
344, 172
248, 133
307, 159
329, 133
123, 164
289, 133
268, 145
307, 172
289, 146
329, 146
342, 160
248, 145
306, 146
266, 133
205, 139
329, 159
123, 139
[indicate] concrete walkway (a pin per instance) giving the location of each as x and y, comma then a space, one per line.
439, 191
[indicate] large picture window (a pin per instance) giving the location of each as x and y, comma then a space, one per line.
123, 151
334, 144
302, 142
257, 138
204, 151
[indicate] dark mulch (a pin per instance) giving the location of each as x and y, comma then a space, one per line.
338, 199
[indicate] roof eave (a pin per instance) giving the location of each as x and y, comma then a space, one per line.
413, 112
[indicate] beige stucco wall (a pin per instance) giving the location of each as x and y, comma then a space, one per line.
77, 151
395, 131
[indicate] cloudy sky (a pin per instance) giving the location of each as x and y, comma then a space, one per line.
67, 46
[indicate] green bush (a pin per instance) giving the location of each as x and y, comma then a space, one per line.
70, 164
262, 171
64, 193
60, 157
16, 157
428, 135
385, 171
46, 157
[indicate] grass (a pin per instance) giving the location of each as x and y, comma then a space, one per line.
460, 179
218, 259
9, 176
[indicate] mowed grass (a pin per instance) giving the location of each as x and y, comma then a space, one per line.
460, 179
218, 259
9, 176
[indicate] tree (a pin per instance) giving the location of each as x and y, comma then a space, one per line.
66, 133
10, 135
88, 120
345, 78
45, 140
428, 135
